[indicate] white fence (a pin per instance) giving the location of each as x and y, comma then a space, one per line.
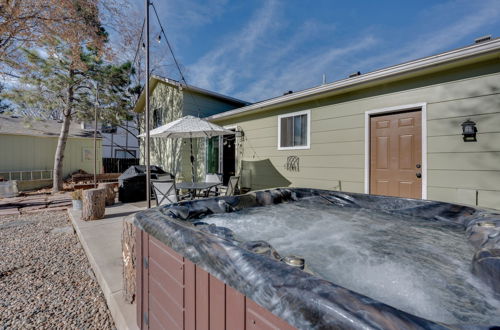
26, 175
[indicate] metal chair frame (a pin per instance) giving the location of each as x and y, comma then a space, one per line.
167, 195
232, 184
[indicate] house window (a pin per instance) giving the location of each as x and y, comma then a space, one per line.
125, 154
294, 130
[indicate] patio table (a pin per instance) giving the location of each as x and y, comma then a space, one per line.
193, 187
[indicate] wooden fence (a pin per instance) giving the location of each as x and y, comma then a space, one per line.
118, 165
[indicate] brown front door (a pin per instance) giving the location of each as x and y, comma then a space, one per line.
396, 154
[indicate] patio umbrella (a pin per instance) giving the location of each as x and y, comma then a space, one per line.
188, 127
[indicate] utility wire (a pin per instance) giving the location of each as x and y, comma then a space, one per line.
138, 49
183, 79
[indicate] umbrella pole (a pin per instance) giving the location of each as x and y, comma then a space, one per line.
192, 159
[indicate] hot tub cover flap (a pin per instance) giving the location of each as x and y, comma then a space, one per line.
303, 300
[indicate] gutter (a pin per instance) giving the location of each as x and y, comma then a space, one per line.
407, 67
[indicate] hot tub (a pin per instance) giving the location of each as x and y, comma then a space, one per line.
370, 262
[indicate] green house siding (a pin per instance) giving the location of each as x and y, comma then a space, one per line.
200, 105
169, 102
457, 171
26, 153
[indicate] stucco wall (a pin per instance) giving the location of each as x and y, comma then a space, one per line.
24, 153
456, 170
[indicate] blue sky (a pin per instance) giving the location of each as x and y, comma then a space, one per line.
255, 49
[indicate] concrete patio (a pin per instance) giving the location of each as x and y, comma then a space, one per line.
101, 240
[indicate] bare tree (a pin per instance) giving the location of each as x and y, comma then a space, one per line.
68, 44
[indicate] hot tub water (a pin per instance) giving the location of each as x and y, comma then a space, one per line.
418, 266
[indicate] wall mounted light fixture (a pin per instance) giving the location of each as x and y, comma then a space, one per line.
469, 131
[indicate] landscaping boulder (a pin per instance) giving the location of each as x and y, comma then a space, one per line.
110, 192
128, 259
94, 204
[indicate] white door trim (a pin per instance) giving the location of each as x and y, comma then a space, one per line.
416, 106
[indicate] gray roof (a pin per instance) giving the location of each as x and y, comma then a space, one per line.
46, 128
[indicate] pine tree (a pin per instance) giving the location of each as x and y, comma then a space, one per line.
3, 106
55, 86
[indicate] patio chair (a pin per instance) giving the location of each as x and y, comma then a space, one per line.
165, 192
232, 185
164, 177
212, 177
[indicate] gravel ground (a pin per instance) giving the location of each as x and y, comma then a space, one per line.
45, 277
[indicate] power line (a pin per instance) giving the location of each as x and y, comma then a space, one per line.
183, 79
138, 49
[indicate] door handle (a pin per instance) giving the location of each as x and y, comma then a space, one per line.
419, 175
418, 166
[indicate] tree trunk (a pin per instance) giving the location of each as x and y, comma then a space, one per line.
57, 182
94, 204
59, 156
128, 258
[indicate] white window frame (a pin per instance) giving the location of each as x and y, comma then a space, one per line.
293, 114
407, 107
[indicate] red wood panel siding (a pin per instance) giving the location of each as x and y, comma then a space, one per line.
164, 280
169, 260
166, 285
176, 294
202, 299
235, 309
189, 295
259, 318
217, 304
164, 304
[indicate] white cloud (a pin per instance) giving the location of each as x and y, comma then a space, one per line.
256, 54
437, 37
303, 72
269, 54
218, 67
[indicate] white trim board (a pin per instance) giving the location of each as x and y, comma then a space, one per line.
293, 114
416, 106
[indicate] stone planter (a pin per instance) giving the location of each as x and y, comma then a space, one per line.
77, 204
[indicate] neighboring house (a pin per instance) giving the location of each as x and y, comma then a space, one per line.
118, 141
395, 131
169, 101
30, 146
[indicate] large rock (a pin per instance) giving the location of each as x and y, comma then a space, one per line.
94, 204
128, 259
110, 192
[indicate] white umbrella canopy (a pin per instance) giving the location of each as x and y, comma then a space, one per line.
188, 127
